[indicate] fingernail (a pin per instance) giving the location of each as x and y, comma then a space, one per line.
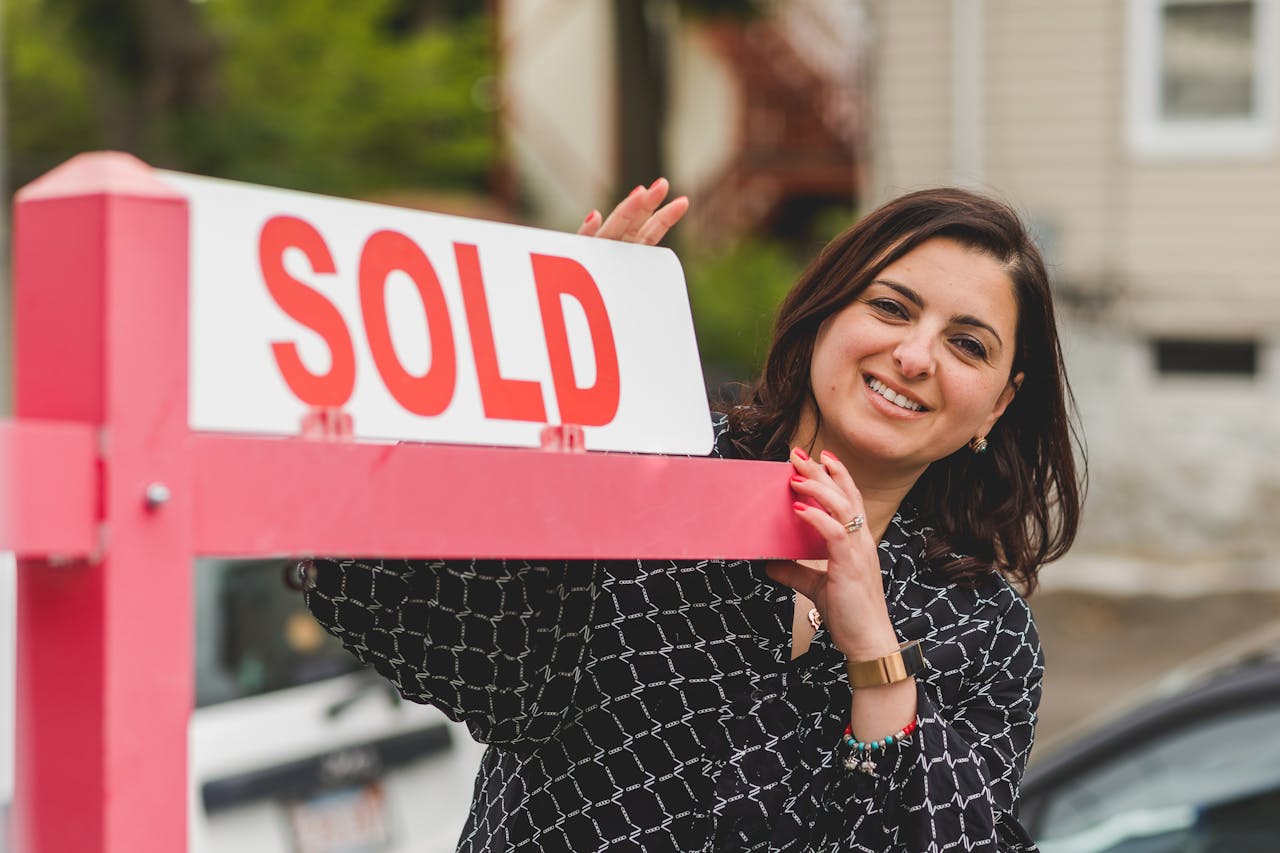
827, 454
796, 478
590, 216
804, 457
798, 506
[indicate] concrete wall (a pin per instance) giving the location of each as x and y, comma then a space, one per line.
705, 112
1182, 469
559, 102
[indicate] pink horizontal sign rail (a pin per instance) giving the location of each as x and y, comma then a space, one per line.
260, 496
49, 486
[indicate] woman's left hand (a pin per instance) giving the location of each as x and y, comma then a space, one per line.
848, 591
641, 217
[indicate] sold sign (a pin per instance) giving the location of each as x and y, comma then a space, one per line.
427, 327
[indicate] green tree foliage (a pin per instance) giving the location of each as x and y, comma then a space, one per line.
324, 95
49, 99
734, 294
735, 291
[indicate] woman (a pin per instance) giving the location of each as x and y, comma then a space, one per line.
884, 699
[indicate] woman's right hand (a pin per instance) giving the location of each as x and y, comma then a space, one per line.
640, 217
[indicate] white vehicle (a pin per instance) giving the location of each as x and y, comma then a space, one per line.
295, 747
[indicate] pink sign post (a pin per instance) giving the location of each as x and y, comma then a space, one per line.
107, 495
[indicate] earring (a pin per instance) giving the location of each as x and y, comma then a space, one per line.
978, 444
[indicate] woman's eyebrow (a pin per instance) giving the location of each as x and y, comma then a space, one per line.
903, 291
970, 320
960, 319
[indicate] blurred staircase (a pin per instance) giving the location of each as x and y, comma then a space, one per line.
800, 136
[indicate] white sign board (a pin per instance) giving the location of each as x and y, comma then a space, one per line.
426, 327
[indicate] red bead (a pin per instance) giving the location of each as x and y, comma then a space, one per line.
848, 730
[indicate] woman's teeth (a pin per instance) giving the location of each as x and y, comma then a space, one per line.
892, 396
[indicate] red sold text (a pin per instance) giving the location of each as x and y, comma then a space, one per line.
429, 394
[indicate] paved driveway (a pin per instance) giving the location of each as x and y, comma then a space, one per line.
1101, 648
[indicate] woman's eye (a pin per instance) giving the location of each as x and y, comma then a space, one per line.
889, 307
971, 346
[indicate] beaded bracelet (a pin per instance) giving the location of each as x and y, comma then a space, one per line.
861, 752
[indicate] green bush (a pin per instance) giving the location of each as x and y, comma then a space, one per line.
734, 295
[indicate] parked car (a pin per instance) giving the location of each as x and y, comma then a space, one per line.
1192, 766
295, 747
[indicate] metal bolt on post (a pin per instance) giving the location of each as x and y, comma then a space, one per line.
158, 494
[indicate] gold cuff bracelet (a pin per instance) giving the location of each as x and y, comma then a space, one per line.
896, 666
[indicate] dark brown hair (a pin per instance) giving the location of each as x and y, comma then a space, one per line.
1011, 509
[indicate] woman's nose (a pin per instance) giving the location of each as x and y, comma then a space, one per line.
914, 355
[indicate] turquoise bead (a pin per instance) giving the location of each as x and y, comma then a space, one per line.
874, 746
889, 739
851, 742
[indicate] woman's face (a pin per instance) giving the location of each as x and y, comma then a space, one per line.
920, 362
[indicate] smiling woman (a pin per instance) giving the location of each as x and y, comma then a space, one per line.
882, 699
904, 372
961, 298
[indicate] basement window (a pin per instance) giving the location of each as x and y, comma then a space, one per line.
1206, 357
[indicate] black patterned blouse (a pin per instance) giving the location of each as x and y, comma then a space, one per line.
655, 705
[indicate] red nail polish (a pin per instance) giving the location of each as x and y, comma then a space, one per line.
796, 478
804, 457
827, 454
799, 507
588, 219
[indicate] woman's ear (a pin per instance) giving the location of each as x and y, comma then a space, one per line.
1003, 401
1009, 392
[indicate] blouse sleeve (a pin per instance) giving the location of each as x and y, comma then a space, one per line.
497, 644
954, 783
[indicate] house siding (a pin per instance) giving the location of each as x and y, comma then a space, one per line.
1200, 257
1049, 119
911, 100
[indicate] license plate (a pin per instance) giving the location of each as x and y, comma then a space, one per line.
342, 820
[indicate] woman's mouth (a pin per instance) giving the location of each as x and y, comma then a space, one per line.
892, 396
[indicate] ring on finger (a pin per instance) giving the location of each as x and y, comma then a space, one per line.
854, 524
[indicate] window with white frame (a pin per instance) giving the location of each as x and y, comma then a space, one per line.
1202, 76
